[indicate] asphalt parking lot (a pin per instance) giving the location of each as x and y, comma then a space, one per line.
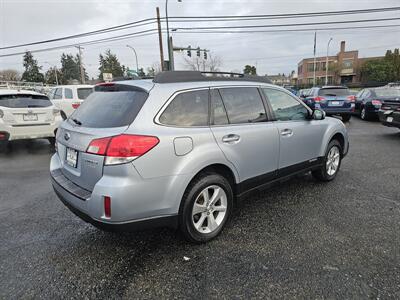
301, 239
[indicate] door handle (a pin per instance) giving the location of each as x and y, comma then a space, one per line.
287, 132
231, 138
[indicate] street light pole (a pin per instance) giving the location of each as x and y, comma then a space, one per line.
137, 64
327, 61
170, 52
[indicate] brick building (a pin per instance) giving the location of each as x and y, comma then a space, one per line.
343, 68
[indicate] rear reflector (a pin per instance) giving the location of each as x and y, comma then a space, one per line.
107, 207
376, 102
122, 148
319, 99
75, 105
352, 98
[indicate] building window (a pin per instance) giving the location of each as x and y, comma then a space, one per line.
310, 80
347, 64
310, 67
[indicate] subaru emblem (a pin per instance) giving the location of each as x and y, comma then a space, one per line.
67, 136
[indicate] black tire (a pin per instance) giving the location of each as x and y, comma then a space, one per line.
321, 174
346, 117
52, 141
364, 115
192, 193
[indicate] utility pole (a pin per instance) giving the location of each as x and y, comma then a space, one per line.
160, 38
327, 62
171, 58
81, 64
315, 59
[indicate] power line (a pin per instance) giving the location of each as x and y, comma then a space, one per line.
116, 38
286, 30
282, 16
288, 24
150, 21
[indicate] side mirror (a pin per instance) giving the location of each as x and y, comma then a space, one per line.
318, 114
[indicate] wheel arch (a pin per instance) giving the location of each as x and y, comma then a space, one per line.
340, 138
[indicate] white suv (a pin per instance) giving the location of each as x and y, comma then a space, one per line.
27, 115
67, 98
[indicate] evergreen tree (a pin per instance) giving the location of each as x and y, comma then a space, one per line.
32, 70
109, 63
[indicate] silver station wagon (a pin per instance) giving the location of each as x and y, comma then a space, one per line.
179, 149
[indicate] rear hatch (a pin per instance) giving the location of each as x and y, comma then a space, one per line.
107, 112
389, 97
26, 110
335, 97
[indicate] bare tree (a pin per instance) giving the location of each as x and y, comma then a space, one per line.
212, 63
10, 75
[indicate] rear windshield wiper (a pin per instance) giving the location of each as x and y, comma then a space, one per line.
77, 122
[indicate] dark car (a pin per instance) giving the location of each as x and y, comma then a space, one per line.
303, 93
334, 100
369, 101
389, 114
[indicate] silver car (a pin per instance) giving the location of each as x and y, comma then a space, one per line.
177, 150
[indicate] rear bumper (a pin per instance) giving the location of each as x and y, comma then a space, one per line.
136, 203
163, 221
384, 119
29, 132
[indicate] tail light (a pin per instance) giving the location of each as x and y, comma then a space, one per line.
376, 102
75, 105
107, 207
352, 98
3, 136
318, 99
122, 148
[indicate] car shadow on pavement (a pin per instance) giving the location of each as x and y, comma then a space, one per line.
26, 147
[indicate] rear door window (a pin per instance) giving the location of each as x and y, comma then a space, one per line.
334, 92
187, 109
68, 93
83, 93
24, 101
219, 116
108, 109
243, 105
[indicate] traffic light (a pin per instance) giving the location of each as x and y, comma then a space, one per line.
205, 54
189, 52
198, 51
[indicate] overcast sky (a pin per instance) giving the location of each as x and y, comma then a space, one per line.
35, 20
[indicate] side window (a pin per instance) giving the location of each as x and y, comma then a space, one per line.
51, 93
367, 94
284, 106
243, 105
58, 93
187, 109
68, 93
218, 109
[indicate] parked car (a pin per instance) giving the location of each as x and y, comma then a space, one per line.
369, 101
27, 115
175, 151
303, 93
389, 113
67, 98
334, 100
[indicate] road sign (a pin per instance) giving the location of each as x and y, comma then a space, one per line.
107, 76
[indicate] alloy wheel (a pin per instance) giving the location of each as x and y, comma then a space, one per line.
209, 209
333, 160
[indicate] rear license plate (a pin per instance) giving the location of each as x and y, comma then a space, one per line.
72, 157
335, 103
30, 117
389, 119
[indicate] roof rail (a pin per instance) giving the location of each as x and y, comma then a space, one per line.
190, 76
